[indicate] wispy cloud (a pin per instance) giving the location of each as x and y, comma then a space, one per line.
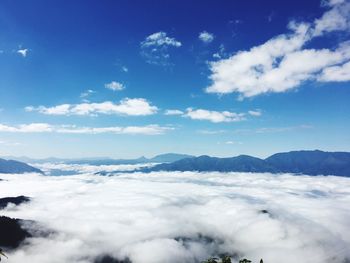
7, 143
72, 129
127, 106
232, 142
115, 86
173, 112
206, 37
155, 48
23, 52
282, 63
86, 94
274, 129
256, 113
211, 132
213, 116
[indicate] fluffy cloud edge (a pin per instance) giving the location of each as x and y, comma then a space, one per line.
126, 107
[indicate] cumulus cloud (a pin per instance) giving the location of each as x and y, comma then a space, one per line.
146, 218
214, 116
115, 86
173, 112
283, 63
206, 37
336, 73
155, 48
27, 128
72, 129
23, 52
127, 106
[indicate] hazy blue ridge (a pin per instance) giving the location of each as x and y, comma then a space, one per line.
305, 162
16, 167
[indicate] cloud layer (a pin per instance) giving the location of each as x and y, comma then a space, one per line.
283, 62
146, 218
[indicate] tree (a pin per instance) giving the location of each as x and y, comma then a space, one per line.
2, 254
226, 259
211, 260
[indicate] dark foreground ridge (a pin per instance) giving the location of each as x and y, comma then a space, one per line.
16, 167
12, 233
4, 202
299, 162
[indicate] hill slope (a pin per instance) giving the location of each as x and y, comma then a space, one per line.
312, 162
14, 167
242, 163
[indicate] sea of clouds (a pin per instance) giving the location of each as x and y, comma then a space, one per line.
69, 169
183, 217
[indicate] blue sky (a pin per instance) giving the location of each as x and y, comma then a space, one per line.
132, 78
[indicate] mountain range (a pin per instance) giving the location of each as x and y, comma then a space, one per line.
298, 162
11, 166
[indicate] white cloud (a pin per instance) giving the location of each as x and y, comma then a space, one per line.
160, 39
27, 128
155, 48
7, 143
256, 113
136, 215
336, 73
125, 69
211, 132
127, 106
282, 63
232, 142
86, 93
115, 86
23, 52
72, 129
48, 168
206, 37
173, 112
282, 129
214, 116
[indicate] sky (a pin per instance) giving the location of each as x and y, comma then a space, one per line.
129, 78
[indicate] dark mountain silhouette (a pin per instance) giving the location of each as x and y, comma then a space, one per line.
12, 233
305, 162
13, 200
242, 163
312, 162
11, 166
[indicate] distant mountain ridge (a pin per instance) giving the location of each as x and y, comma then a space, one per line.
11, 166
303, 162
297, 162
161, 158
